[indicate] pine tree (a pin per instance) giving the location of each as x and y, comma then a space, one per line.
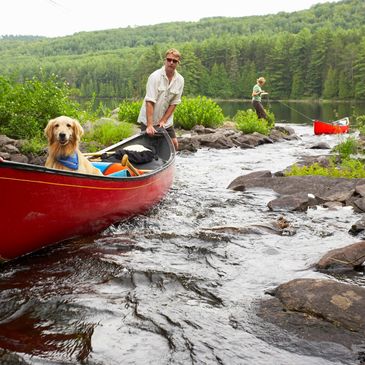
330, 89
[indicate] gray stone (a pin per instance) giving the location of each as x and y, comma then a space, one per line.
360, 189
10, 148
349, 256
296, 202
358, 227
338, 303
360, 203
5, 140
323, 188
19, 158
321, 146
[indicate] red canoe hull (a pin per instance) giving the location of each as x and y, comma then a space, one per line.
328, 128
41, 206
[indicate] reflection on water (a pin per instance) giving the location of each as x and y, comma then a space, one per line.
161, 288
300, 112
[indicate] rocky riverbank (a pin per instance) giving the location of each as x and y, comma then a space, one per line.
10, 150
323, 310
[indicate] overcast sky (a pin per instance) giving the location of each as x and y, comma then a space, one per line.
54, 18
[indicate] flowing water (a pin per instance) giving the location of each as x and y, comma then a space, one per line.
163, 288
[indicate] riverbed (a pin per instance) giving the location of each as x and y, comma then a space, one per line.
164, 288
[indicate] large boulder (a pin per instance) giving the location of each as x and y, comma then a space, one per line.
350, 256
320, 311
329, 300
317, 189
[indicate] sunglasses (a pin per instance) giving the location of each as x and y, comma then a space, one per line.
172, 60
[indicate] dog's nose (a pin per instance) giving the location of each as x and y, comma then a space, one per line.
62, 135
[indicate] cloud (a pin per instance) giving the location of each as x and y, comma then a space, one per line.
54, 18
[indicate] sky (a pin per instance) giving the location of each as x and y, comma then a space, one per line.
55, 18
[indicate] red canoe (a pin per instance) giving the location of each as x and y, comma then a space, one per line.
42, 206
337, 127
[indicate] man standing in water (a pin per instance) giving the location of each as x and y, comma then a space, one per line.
163, 92
256, 98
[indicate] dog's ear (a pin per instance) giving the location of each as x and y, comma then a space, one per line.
79, 131
48, 131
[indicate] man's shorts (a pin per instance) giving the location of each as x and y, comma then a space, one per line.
169, 130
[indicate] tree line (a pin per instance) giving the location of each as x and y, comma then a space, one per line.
315, 53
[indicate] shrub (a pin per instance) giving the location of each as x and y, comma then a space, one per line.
199, 110
26, 108
360, 122
129, 111
108, 133
248, 122
34, 146
347, 148
270, 119
349, 168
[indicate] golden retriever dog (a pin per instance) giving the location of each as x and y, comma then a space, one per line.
64, 134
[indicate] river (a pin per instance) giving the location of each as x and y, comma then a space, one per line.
162, 288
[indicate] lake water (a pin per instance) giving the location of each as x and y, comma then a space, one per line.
296, 112
300, 112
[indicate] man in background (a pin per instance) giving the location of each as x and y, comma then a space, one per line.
257, 92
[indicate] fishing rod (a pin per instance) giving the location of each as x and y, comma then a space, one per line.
297, 111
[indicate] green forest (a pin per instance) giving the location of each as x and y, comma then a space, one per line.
309, 54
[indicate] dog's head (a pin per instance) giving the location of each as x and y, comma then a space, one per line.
63, 130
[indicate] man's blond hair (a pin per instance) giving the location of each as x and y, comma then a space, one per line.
173, 51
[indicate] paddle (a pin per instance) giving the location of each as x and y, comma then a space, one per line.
97, 154
125, 162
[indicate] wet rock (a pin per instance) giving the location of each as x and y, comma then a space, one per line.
188, 144
276, 136
308, 327
296, 202
360, 189
360, 203
350, 256
279, 227
200, 129
246, 140
310, 160
335, 195
285, 130
215, 140
324, 189
238, 184
321, 146
333, 205
358, 227
338, 303
228, 137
